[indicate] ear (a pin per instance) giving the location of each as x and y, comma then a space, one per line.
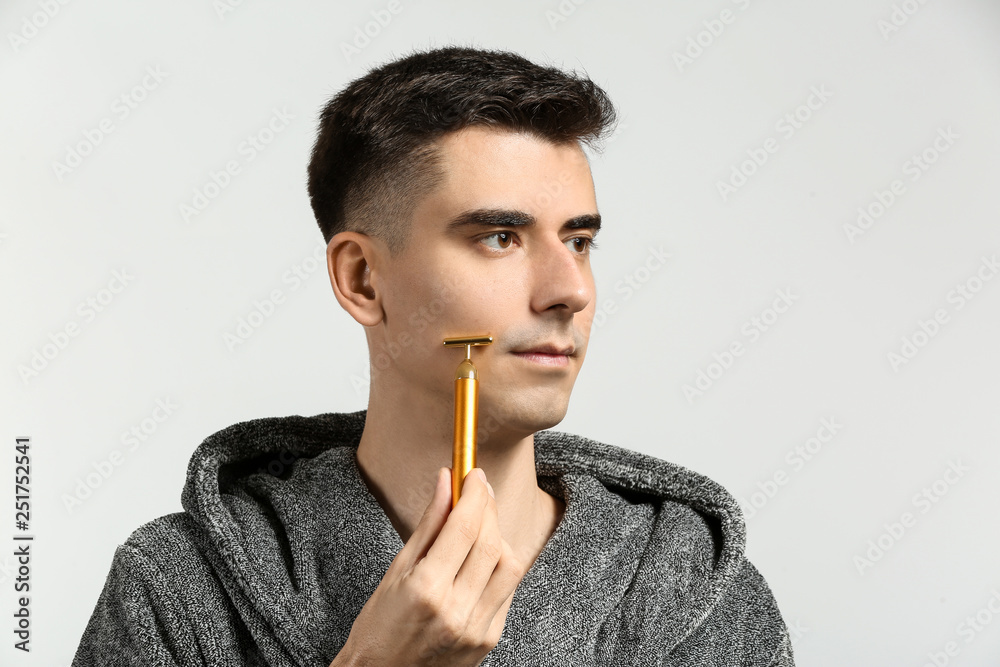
350, 258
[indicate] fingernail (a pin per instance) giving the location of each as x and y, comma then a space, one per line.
489, 487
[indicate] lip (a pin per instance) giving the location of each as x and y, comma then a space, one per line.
549, 348
554, 360
547, 355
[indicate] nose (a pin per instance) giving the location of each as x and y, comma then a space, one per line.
562, 279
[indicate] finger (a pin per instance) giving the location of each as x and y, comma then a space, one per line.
499, 592
483, 557
461, 529
431, 522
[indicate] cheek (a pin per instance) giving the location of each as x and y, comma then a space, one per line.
471, 313
443, 296
476, 301
431, 309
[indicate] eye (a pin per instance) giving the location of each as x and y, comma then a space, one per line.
582, 244
503, 239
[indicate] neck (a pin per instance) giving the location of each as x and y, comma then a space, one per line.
406, 440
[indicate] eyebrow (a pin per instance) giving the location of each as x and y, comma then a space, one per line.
498, 217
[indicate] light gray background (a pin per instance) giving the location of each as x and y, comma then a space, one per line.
684, 128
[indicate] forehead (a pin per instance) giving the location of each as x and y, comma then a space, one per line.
500, 168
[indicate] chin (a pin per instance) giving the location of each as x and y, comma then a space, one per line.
521, 416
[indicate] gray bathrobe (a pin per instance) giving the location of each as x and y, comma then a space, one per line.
281, 544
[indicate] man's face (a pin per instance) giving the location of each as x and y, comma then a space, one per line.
501, 247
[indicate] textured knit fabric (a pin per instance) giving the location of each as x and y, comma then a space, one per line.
281, 544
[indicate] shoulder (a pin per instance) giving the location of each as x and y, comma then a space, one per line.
170, 536
170, 557
168, 564
161, 604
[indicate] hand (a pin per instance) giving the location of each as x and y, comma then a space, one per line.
445, 597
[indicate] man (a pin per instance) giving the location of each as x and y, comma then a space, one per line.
456, 200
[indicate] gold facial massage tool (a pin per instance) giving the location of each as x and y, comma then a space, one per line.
463, 458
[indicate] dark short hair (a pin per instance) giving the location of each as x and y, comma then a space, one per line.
375, 154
